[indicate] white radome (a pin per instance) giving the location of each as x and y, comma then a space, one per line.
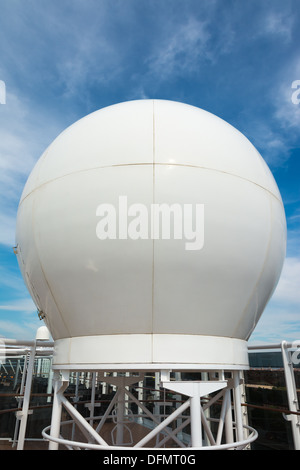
151, 303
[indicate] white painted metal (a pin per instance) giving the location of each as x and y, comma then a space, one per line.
120, 417
157, 421
20, 400
42, 334
162, 425
225, 419
74, 444
291, 394
196, 433
193, 390
93, 393
97, 293
228, 419
237, 406
81, 422
58, 386
152, 352
23, 415
222, 417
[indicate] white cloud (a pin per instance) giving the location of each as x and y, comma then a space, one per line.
280, 24
277, 135
16, 143
17, 330
288, 288
276, 325
293, 245
7, 227
90, 59
281, 318
274, 147
22, 305
181, 50
24, 135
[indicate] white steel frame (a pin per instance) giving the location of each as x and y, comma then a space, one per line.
31, 350
231, 422
293, 404
193, 390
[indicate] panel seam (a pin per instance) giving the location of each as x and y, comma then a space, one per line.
153, 201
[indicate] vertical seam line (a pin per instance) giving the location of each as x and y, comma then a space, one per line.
153, 201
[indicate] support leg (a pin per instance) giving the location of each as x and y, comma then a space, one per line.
238, 406
196, 427
25, 409
59, 386
120, 416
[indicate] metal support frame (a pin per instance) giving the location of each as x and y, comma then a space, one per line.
285, 348
291, 394
202, 436
23, 415
29, 350
232, 427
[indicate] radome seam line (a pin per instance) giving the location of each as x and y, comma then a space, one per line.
153, 199
153, 164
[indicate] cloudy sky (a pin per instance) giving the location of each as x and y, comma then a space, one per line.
63, 59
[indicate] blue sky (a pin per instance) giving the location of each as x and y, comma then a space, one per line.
63, 59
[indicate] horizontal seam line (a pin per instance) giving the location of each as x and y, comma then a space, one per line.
150, 163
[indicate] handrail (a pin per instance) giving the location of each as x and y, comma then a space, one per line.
233, 445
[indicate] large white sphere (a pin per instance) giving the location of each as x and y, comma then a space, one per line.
151, 301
